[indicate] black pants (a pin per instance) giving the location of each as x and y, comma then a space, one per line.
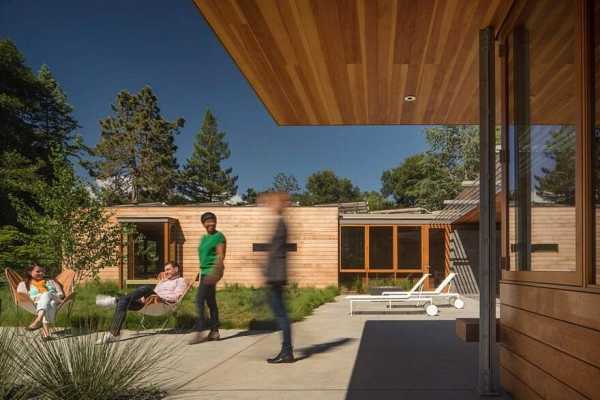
207, 293
128, 302
281, 315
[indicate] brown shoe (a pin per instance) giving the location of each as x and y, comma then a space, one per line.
214, 335
199, 337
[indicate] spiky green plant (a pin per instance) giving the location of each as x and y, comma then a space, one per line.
12, 386
78, 368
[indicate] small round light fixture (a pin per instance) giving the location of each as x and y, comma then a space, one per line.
410, 98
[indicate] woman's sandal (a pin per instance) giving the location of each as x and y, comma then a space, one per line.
35, 326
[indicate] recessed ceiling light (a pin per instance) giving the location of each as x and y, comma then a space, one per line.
409, 98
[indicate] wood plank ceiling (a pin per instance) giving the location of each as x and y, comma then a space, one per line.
331, 62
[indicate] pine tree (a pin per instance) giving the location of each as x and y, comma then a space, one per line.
203, 179
136, 151
35, 117
56, 125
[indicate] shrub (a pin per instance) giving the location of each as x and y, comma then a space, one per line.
78, 368
12, 385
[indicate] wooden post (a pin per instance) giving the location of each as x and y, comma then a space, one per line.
425, 253
488, 352
166, 254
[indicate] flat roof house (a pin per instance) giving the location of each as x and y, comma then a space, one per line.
528, 66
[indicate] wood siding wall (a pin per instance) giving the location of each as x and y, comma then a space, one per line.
549, 225
550, 342
314, 230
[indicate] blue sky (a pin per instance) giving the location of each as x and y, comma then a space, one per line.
97, 48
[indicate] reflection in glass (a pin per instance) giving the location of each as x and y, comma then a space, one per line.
409, 247
381, 248
437, 255
353, 247
541, 138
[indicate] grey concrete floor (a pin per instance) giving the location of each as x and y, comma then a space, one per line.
402, 354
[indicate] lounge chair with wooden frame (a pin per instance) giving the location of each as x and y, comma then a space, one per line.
66, 279
154, 306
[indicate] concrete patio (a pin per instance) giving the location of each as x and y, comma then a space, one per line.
397, 355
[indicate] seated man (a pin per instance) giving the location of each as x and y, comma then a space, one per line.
169, 290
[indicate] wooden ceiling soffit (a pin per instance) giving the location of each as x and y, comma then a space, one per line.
352, 62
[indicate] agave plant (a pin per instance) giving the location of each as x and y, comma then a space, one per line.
12, 384
78, 368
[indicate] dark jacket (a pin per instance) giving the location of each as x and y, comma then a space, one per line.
276, 268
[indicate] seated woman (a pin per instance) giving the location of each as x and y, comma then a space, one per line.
169, 289
46, 294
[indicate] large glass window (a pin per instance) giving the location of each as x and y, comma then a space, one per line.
148, 250
353, 247
437, 255
541, 138
381, 247
596, 143
409, 247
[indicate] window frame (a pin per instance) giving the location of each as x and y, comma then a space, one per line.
584, 240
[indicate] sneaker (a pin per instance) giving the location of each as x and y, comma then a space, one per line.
105, 301
107, 337
198, 337
214, 335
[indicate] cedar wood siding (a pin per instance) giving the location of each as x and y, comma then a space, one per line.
313, 229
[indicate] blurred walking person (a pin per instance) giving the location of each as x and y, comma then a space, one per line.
276, 274
211, 253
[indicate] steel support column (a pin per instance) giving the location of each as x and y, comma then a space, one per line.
488, 268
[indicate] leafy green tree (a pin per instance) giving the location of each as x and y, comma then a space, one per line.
285, 183
457, 149
73, 230
203, 178
136, 158
420, 181
250, 196
324, 187
376, 201
556, 183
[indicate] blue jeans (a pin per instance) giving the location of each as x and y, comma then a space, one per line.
207, 293
278, 307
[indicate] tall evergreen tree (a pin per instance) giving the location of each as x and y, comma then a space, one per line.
203, 178
56, 123
136, 153
35, 117
555, 181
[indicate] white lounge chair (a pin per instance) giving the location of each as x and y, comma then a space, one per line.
417, 286
452, 297
412, 296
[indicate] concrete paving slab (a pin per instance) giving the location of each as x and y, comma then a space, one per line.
373, 354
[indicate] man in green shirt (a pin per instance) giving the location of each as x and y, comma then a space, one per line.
211, 253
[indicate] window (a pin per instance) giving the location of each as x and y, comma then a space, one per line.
409, 247
437, 255
381, 247
595, 278
353, 247
541, 139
